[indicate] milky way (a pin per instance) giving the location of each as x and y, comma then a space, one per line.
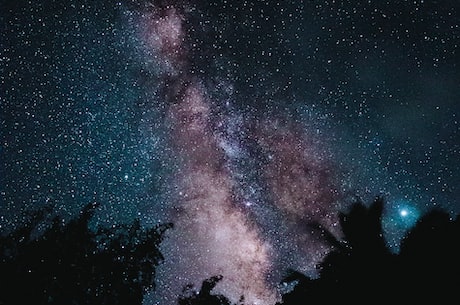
221, 227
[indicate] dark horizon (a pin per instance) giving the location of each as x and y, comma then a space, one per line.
72, 263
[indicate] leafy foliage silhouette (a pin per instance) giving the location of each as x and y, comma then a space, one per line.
362, 270
70, 264
203, 297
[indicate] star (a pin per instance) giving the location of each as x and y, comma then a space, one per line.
403, 212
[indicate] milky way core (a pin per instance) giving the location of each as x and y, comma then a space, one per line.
247, 224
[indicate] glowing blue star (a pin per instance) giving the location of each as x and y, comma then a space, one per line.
407, 212
403, 212
400, 216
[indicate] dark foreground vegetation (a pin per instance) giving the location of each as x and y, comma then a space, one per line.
362, 270
70, 264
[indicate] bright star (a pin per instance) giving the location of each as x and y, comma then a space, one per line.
403, 212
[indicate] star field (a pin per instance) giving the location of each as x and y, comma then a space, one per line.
249, 125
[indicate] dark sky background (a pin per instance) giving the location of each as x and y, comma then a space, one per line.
365, 94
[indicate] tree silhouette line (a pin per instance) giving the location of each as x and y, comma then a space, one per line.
70, 264
361, 269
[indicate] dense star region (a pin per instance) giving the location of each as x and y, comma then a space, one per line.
248, 125
216, 232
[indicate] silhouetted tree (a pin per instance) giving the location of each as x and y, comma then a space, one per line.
430, 258
70, 264
203, 297
362, 270
360, 262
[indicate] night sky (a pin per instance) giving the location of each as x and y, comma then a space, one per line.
244, 123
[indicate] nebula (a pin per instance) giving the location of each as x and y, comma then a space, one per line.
212, 235
301, 180
163, 35
249, 192
304, 190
